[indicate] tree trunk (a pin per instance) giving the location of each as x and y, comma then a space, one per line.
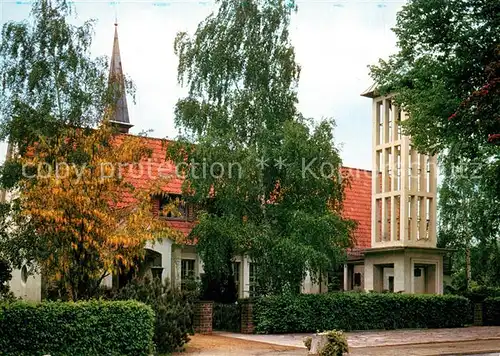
8, 156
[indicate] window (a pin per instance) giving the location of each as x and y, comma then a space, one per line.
417, 272
156, 272
253, 279
24, 274
391, 284
357, 279
153, 259
181, 210
187, 269
236, 274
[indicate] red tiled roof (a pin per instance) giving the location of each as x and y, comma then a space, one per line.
156, 166
357, 203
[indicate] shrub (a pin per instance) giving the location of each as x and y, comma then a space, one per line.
220, 290
480, 293
492, 311
92, 328
308, 342
358, 311
327, 343
227, 317
5, 277
172, 307
336, 344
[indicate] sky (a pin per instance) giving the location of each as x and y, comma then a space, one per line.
334, 40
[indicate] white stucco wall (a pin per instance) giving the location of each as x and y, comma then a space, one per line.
404, 263
246, 277
107, 282
31, 289
164, 247
308, 286
179, 253
240, 276
419, 282
314, 287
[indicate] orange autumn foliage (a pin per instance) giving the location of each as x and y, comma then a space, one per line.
77, 210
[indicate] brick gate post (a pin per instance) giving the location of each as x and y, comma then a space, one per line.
203, 311
247, 326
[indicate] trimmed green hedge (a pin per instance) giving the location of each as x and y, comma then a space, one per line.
492, 311
358, 311
94, 328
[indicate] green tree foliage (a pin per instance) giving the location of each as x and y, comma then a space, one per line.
49, 79
267, 178
446, 75
492, 311
49, 83
5, 277
469, 223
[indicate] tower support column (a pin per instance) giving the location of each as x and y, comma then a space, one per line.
404, 270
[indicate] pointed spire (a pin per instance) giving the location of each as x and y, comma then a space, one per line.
120, 115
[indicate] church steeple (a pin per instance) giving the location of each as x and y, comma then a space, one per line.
119, 115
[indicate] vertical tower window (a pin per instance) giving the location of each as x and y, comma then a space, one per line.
378, 183
398, 121
380, 122
397, 207
428, 174
387, 220
390, 120
378, 222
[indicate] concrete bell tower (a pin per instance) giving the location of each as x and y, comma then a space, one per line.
403, 256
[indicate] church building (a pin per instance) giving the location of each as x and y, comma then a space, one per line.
394, 206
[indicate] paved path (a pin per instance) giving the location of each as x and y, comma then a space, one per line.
465, 341
387, 338
482, 347
216, 345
